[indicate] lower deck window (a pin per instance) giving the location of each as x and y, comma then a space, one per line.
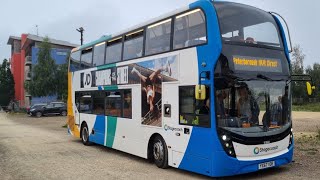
107, 103
191, 111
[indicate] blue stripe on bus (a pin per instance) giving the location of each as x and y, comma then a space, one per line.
283, 37
204, 141
99, 130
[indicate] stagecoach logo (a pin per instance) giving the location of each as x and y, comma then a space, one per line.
166, 127
258, 150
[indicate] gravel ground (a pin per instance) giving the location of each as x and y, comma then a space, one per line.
39, 148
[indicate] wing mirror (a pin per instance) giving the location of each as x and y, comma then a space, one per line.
310, 88
200, 92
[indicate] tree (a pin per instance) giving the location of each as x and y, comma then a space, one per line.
43, 79
62, 81
298, 88
297, 60
6, 84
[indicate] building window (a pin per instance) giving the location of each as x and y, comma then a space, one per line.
191, 111
133, 45
98, 54
189, 29
75, 61
158, 37
113, 52
86, 58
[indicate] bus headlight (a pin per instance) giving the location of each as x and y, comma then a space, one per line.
226, 142
224, 137
227, 145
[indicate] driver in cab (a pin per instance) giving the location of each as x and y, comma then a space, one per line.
248, 109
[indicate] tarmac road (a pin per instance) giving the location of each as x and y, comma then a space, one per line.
39, 148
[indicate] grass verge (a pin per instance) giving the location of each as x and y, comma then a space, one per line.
310, 107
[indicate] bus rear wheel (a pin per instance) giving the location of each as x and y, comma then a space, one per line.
85, 135
160, 152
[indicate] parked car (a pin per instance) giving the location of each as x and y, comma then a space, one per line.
35, 106
54, 108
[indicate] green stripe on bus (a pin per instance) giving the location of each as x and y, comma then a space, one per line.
111, 130
106, 66
114, 87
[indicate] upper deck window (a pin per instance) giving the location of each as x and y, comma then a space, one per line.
113, 51
158, 37
75, 61
247, 25
133, 45
190, 29
86, 58
98, 54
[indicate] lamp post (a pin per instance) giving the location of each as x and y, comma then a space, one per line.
80, 30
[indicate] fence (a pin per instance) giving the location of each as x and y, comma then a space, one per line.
305, 100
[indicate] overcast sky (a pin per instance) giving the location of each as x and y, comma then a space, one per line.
59, 19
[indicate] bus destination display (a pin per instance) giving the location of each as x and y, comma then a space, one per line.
245, 63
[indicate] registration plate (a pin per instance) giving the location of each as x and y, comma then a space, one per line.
266, 165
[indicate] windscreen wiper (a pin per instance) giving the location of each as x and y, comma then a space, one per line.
260, 76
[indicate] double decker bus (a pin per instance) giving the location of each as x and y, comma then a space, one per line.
205, 88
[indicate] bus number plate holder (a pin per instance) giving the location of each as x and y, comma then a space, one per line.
266, 165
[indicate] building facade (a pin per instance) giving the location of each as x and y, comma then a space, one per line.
24, 54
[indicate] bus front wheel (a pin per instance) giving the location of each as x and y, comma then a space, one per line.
160, 152
85, 135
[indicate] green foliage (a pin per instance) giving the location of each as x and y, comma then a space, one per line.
62, 81
310, 107
6, 84
48, 78
43, 81
298, 88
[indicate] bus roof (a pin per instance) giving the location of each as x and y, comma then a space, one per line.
153, 20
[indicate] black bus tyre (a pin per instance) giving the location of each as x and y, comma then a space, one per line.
38, 114
85, 135
160, 152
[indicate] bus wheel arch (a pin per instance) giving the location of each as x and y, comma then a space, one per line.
84, 137
158, 151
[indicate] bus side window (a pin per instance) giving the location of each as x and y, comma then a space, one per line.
98, 54
113, 103
86, 58
190, 29
113, 50
158, 37
98, 102
193, 112
86, 103
133, 45
127, 104
75, 61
